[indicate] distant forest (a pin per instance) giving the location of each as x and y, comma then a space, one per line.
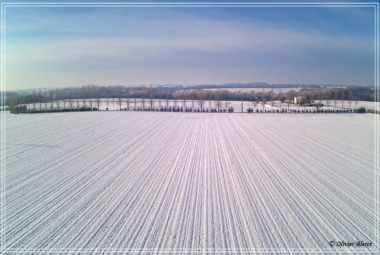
307, 93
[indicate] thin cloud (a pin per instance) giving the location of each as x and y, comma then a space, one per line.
184, 49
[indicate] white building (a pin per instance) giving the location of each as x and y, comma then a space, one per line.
297, 100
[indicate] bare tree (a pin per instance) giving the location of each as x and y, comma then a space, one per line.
119, 91
260, 95
319, 96
200, 95
57, 98
342, 100
64, 103
143, 95
46, 100
282, 99
71, 98
219, 96
193, 97
127, 96
290, 95
97, 96
327, 98
253, 94
280, 95
335, 98
150, 92
242, 96
83, 94
271, 97
210, 99
159, 100
167, 98
349, 99
34, 100
313, 96
49, 100
40, 99
264, 102
135, 97
175, 98
183, 96
64, 97
12, 101
77, 98
90, 95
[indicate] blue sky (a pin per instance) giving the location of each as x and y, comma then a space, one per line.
75, 46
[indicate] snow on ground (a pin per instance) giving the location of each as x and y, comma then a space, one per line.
189, 183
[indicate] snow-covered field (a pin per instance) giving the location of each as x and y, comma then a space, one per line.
126, 182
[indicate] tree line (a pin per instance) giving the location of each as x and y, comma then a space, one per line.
90, 96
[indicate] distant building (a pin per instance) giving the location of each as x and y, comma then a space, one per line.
297, 99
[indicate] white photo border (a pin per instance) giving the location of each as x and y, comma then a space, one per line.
5, 5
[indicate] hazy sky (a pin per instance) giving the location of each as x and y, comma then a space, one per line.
75, 46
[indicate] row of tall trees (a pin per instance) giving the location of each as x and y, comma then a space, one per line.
92, 95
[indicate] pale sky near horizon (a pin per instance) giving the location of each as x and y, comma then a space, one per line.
74, 46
